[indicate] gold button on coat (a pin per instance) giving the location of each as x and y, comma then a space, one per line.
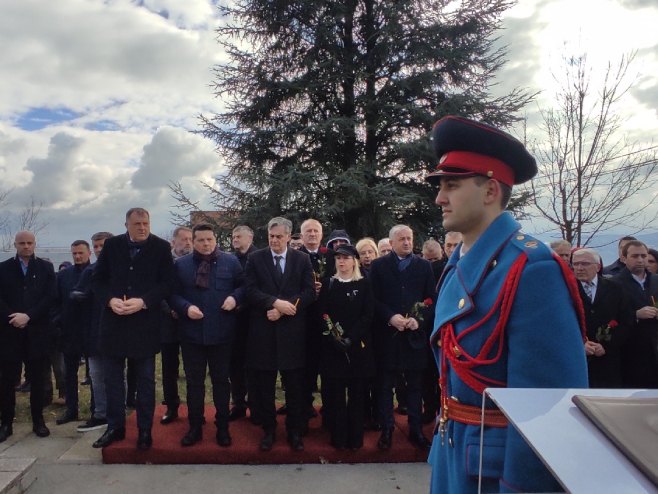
461, 303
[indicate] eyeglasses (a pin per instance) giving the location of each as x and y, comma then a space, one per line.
582, 264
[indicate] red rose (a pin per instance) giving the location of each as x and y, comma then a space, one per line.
427, 302
325, 317
323, 250
613, 324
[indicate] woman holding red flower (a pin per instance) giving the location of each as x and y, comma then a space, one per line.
346, 359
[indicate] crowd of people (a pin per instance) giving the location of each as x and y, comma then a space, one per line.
354, 314
372, 319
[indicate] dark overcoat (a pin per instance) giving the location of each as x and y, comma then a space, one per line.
640, 351
610, 304
73, 315
281, 344
225, 279
395, 293
148, 275
32, 293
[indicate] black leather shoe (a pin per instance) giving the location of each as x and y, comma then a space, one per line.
66, 418
419, 440
237, 413
110, 436
170, 415
385, 439
223, 438
193, 436
295, 441
144, 439
6, 430
267, 442
40, 429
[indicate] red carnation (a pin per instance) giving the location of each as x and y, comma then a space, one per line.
613, 324
427, 302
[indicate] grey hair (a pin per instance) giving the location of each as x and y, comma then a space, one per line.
557, 243
280, 221
587, 250
393, 231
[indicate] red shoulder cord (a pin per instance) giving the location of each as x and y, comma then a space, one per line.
572, 285
460, 360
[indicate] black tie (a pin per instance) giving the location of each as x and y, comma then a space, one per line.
279, 271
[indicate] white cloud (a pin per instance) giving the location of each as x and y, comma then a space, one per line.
172, 155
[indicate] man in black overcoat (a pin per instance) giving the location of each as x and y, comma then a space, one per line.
133, 274
608, 317
279, 287
400, 280
639, 354
27, 294
242, 238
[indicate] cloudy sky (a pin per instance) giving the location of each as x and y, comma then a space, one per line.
98, 97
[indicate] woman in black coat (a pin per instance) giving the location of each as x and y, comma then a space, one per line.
346, 360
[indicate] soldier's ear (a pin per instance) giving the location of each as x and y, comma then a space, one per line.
492, 192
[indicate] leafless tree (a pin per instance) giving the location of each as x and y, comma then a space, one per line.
28, 218
591, 178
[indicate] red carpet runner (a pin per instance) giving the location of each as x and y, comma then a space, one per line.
246, 438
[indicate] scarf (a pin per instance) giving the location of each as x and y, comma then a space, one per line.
203, 268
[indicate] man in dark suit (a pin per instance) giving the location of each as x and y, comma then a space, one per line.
279, 287
134, 273
608, 317
27, 293
639, 359
181, 245
400, 280
618, 266
242, 239
72, 317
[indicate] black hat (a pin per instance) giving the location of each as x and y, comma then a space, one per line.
347, 250
466, 148
338, 235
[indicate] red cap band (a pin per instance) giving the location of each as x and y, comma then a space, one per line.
465, 163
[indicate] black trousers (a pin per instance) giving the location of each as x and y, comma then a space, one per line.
170, 364
216, 358
115, 389
386, 380
345, 401
10, 372
262, 389
239, 384
71, 367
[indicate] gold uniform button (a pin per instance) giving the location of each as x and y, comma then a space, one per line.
520, 237
457, 351
461, 304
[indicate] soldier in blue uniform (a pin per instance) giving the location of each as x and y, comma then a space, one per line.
507, 315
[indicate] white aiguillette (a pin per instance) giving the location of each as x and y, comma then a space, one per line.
631, 424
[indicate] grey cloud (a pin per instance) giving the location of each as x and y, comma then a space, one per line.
173, 154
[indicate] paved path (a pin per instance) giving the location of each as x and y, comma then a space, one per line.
66, 463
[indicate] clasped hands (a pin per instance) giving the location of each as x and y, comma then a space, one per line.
193, 312
281, 308
126, 307
403, 323
19, 319
594, 349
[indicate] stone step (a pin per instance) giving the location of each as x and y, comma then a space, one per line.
16, 474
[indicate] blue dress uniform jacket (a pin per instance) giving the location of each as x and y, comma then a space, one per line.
543, 348
217, 325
